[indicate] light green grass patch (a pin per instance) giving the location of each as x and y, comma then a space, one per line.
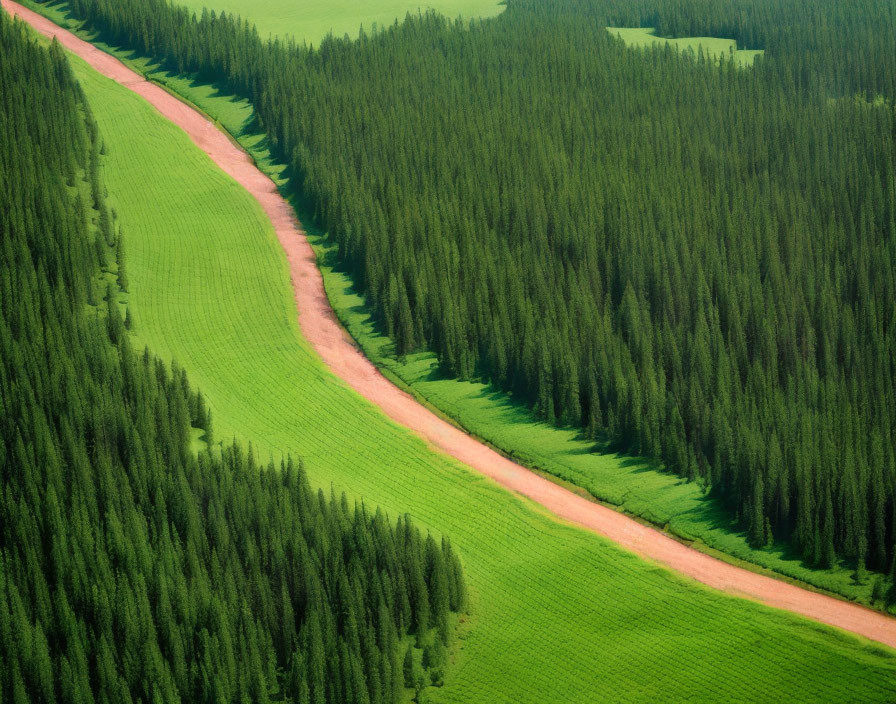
558, 614
312, 20
711, 46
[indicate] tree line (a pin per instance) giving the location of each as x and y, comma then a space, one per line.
689, 258
131, 568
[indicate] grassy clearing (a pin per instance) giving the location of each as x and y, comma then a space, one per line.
712, 46
557, 614
312, 20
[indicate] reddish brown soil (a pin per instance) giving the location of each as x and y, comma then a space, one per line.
320, 327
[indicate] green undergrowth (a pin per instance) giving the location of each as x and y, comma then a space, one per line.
711, 46
631, 484
557, 614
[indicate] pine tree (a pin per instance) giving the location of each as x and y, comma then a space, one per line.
409, 668
878, 591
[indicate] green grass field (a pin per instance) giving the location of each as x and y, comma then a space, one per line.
312, 20
557, 614
713, 46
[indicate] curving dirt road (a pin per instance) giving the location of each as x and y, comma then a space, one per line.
321, 328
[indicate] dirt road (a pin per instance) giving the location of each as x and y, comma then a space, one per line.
320, 326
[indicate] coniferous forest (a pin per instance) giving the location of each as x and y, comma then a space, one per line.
132, 569
690, 258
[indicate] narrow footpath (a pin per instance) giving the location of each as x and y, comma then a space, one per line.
320, 326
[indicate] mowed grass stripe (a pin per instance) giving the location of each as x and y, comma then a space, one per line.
558, 614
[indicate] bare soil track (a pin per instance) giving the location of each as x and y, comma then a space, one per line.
320, 326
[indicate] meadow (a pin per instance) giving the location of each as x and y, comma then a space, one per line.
557, 614
312, 20
711, 46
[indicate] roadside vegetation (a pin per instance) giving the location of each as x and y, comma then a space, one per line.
735, 330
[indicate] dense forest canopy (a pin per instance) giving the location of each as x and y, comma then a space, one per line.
693, 259
132, 569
